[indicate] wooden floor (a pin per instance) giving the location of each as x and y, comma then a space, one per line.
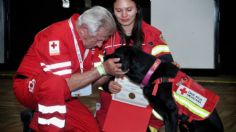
224, 86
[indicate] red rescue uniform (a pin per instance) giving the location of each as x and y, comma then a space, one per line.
40, 82
153, 44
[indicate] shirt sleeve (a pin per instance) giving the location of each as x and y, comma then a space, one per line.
161, 49
53, 53
155, 44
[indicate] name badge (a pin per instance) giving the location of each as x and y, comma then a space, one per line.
85, 91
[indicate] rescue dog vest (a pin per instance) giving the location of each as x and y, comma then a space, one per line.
192, 99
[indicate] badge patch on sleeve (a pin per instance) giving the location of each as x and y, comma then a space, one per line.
54, 47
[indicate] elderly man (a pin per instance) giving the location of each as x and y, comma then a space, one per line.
60, 61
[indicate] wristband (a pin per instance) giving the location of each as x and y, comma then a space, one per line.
101, 70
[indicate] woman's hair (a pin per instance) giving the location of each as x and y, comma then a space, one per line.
137, 35
97, 17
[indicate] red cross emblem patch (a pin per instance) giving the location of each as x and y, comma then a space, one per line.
54, 47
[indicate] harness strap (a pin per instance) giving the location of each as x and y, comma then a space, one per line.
159, 81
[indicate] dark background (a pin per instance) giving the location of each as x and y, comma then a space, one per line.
24, 18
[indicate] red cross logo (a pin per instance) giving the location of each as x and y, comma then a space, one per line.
183, 91
53, 45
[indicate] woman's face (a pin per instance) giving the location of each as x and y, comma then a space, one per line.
125, 12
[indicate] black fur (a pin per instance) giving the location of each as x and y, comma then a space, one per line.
138, 63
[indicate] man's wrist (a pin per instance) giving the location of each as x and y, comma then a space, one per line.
101, 70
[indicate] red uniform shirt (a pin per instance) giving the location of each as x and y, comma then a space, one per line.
56, 52
153, 42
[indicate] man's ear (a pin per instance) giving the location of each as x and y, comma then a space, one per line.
83, 30
82, 33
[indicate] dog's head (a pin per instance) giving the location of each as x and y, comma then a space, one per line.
134, 61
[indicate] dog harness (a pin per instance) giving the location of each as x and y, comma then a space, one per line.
191, 98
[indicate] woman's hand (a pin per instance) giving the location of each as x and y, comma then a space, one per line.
114, 87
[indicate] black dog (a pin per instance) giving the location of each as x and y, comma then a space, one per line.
163, 78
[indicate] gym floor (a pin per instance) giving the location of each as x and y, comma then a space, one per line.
224, 86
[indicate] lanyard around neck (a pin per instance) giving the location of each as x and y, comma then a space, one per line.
78, 52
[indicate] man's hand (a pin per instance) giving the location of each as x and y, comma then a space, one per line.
112, 67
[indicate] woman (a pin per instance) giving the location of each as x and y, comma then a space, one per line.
131, 30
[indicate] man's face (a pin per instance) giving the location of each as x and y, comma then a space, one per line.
97, 40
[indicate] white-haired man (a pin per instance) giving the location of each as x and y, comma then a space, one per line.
60, 61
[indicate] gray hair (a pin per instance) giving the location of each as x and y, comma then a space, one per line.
97, 17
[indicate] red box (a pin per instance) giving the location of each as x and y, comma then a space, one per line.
122, 117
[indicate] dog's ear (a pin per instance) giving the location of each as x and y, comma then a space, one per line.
106, 57
125, 53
